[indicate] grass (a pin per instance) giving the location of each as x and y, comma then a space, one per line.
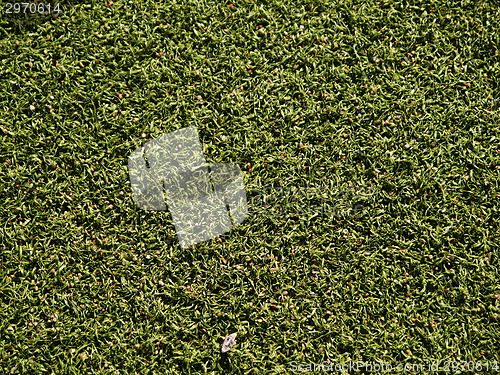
397, 100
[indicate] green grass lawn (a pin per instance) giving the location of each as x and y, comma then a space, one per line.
368, 136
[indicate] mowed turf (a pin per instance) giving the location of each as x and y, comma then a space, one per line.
368, 135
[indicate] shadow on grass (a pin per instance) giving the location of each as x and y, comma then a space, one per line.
225, 362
